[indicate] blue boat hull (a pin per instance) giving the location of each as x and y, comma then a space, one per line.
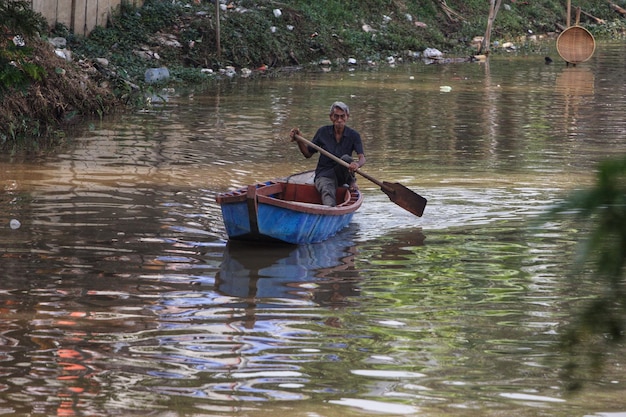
283, 212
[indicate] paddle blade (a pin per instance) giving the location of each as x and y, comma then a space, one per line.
405, 198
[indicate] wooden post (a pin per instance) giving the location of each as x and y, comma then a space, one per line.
569, 13
217, 30
493, 11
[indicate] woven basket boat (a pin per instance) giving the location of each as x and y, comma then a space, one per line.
575, 44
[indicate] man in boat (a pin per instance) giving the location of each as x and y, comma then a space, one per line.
340, 140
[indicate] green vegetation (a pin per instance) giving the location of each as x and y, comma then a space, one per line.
39, 91
305, 32
18, 21
602, 322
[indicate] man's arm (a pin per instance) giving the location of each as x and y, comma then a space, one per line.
304, 148
354, 165
361, 160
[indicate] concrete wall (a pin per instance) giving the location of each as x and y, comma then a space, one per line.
81, 16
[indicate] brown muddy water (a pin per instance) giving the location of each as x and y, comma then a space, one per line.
120, 295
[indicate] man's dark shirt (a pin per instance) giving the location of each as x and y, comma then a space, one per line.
325, 139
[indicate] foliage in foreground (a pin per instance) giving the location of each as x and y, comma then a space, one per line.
602, 323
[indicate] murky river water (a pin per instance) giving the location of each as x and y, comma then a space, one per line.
120, 296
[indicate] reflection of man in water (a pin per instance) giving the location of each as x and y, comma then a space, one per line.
341, 141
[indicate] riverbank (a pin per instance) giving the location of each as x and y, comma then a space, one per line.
110, 69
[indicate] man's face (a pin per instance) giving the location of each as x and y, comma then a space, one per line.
339, 117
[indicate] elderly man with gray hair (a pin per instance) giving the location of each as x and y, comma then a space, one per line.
340, 140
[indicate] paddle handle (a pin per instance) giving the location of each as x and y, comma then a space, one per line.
341, 162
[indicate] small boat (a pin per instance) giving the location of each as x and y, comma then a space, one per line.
287, 210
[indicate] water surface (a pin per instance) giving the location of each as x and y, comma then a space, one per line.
120, 294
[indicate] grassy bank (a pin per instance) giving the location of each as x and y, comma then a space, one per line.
108, 67
276, 34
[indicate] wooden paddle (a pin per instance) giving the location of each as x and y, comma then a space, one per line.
398, 193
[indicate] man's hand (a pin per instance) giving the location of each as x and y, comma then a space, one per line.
295, 131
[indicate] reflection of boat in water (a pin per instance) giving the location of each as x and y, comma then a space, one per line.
323, 273
288, 210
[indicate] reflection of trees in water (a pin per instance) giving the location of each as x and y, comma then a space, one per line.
497, 115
